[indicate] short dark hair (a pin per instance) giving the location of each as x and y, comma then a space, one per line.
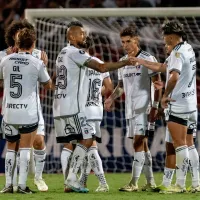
173, 27
13, 28
129, 31
26, 38
75, 23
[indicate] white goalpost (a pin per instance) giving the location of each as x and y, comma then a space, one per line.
104, 26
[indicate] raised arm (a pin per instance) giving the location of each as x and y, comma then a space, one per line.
107, 66
154, 66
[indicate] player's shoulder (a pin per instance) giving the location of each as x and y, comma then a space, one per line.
146, 56
2, 54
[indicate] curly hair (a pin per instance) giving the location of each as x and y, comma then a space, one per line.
26, 38
131, 31
13, 28
173, 27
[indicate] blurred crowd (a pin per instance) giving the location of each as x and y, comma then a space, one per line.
14, 9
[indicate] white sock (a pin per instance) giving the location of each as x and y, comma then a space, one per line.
65, 161
148, 171
137, 166
9, 166
182, 157
168, 176
194, 165
24, 166
39, 157
96, 164
76, 161
15, 175
85, 171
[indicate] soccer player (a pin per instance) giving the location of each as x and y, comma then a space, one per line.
135, 81
20, 72
179, 99
94, 114
170, 161
71, 95
38, 144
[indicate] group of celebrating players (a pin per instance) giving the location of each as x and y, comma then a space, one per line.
79, 82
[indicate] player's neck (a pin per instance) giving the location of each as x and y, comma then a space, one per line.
29, 51
177, 41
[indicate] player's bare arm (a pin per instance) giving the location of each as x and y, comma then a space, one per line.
157, 96
174, 76
107, 87
47, 85
116, 93
106, 67
154, 66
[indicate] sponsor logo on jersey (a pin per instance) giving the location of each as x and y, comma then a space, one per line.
132, 74
188, 94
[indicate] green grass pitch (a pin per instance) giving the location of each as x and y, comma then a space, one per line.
55, 183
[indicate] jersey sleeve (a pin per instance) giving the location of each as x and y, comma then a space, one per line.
120, 74
176, 62
43, 74
105, 75
80, 57
150, 72
1, 70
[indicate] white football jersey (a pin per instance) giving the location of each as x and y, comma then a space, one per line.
20, 72
37, 54
71, 89
94, 106
182, 59
137, 85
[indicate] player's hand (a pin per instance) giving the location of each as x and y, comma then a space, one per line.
161, 113
165, 101
108, 104
44, 57
153, 115
158, 85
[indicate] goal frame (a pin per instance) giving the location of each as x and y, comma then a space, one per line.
30, 14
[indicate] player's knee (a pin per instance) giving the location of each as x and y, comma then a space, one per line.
170, 150
69, 146
87, 143
39, 142
138, 144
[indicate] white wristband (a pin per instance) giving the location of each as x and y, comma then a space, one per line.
155, 104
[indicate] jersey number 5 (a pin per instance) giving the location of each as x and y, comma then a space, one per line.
15, 84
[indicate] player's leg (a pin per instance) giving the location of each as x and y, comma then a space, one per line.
94, 162
136, 129
12, 136
193, 154
178, 129
65, 162
170, 165
85, 132
148, 169
27, 134
39, 158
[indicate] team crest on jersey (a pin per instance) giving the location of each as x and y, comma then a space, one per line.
177, 54
138, 67
81, 52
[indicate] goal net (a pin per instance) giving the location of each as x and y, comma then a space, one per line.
104, 26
